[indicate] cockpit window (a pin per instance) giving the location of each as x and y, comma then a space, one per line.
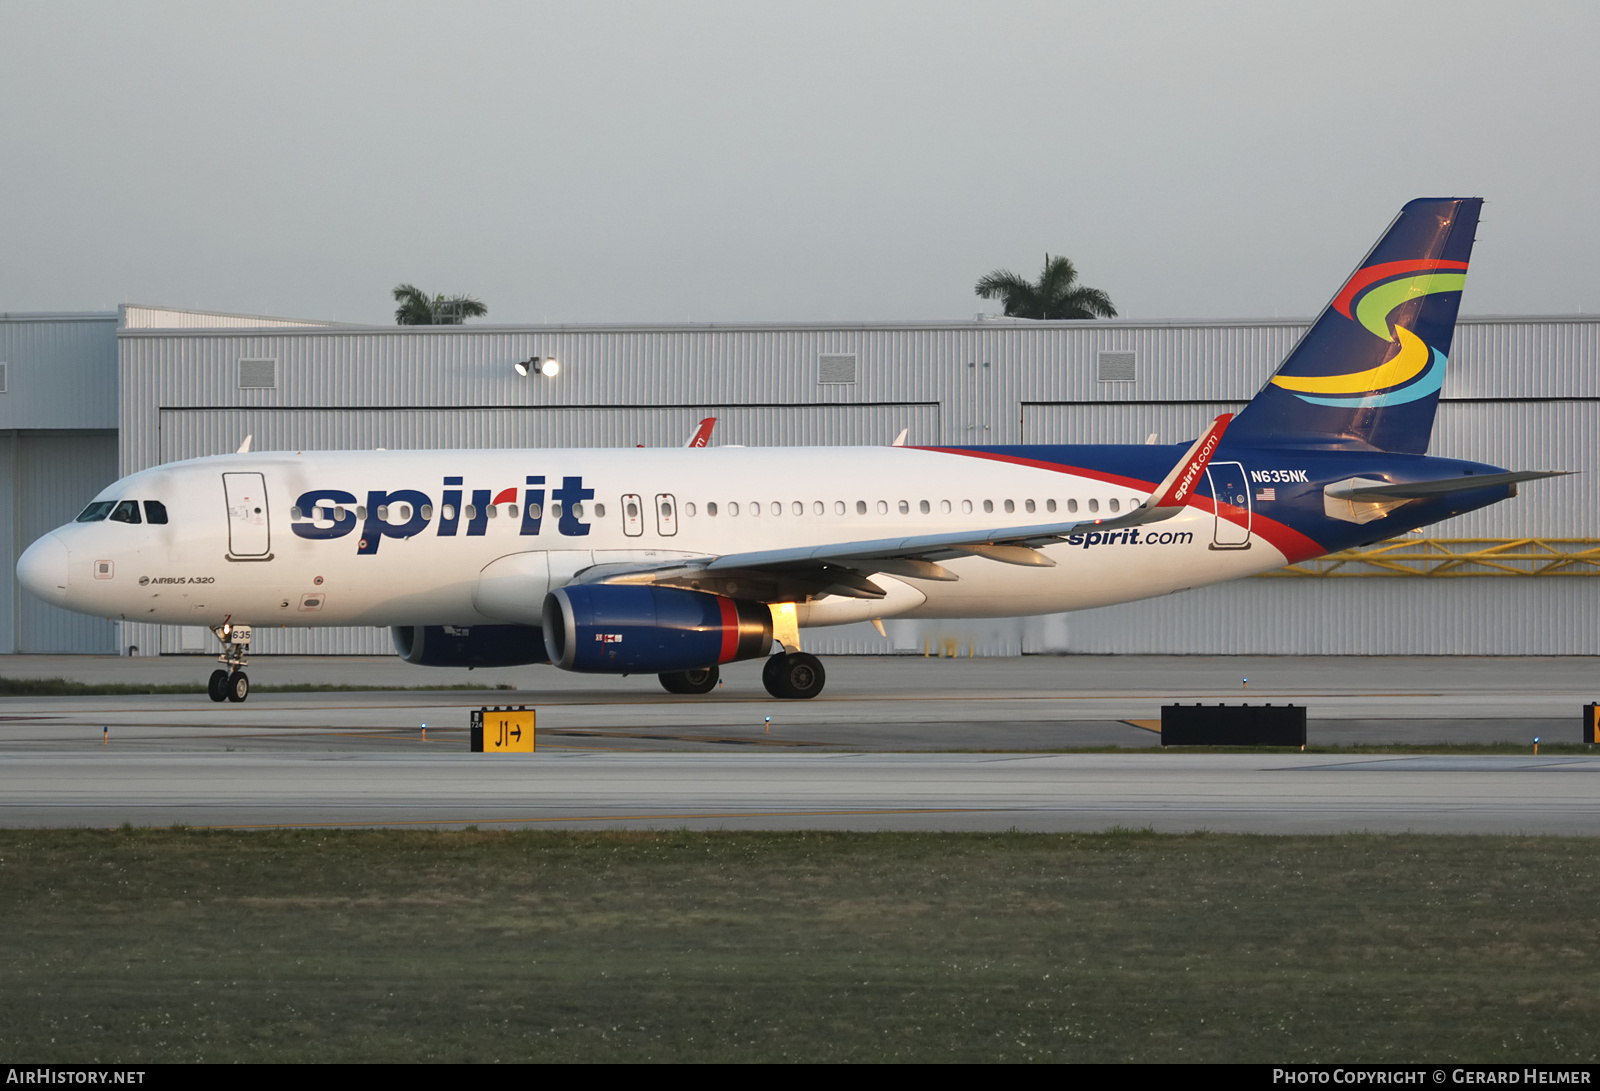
125, 512
97, 511
155, 512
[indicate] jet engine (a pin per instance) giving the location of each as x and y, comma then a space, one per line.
639, 629
469, 646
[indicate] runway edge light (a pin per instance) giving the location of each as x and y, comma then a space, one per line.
503, 730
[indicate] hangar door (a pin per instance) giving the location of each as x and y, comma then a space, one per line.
1119, 422
51, 476
191, 433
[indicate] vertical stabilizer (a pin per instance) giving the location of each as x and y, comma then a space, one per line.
1368, 372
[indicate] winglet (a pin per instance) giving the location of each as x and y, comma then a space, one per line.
702, 434
1175, 491
244, 448
900, 440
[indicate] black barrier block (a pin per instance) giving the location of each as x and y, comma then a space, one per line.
1591, 724
1233, 725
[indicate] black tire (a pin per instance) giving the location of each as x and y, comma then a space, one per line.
769, 674
701, 680
238, 686
794, 676
217, 687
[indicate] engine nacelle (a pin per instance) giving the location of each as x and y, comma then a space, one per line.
469, 646
623, 628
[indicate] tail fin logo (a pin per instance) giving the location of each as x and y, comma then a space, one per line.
1371, 296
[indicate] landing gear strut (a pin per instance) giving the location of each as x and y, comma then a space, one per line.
793, 676
703, 680
232, 684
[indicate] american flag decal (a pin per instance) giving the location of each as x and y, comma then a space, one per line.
1267, 494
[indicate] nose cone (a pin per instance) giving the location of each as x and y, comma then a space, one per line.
43, 568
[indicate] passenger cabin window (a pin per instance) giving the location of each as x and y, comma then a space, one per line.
97, 511
1072, 505
155, 513
125, 512
1094, 505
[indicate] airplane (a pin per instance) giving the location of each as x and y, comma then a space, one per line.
679, 560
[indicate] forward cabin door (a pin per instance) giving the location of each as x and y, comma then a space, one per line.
1230, 488
249, 533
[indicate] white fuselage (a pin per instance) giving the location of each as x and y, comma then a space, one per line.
464, 552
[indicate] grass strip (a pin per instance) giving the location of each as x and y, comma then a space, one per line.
176, 945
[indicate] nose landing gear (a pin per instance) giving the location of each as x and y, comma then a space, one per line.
232, 684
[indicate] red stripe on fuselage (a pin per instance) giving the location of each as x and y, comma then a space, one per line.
730, 630
1285, 539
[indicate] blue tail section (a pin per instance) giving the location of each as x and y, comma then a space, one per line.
1366, 376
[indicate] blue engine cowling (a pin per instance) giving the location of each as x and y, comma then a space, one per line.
635, 629
469, 646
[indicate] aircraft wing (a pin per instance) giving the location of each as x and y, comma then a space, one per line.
842, 568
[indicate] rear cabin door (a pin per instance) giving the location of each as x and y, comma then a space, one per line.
248, 528
1231, 492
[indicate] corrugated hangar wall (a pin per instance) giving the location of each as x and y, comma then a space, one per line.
1520, 392
58, 447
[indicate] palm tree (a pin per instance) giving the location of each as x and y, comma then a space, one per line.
1057, 295
416, 309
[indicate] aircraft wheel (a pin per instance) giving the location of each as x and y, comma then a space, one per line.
217, 687
238, 686
794, 676
702, 680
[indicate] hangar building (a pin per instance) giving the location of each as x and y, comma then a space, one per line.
87, 397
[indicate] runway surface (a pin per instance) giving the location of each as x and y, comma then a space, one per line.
893, 744
1173, 792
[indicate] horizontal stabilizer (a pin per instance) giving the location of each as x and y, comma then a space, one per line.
1378, 491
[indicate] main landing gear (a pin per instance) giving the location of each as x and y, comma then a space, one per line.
793, 676
703, 680
232, 684
790, 676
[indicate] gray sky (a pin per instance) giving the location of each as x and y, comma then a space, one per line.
639, 162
